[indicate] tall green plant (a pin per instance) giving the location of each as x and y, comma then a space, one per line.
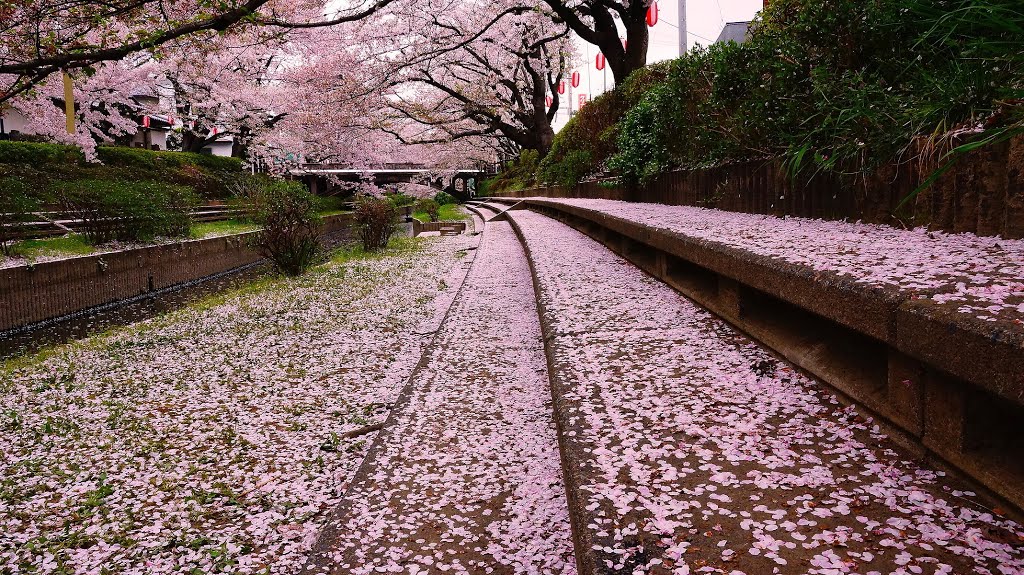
287, 213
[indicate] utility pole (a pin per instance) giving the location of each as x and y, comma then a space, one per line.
682, 27
69, 103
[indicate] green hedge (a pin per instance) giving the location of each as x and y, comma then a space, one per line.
46, 167
128, 211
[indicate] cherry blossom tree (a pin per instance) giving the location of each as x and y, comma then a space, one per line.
464, 74
598, 22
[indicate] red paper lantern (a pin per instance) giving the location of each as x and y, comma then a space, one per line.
145, 121
652, 14
548, 101
575, 79
600, 61
561, 87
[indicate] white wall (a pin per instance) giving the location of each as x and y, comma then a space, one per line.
13, 120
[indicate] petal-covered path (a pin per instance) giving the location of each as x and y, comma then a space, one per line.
212, 439
466, 477
692, 450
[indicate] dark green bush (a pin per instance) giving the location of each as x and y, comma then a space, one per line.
840, 85
444, 199
582, 147
128, 211
287, 213
518, 174
32, 154
429, 207
17, 202
45, 166
376, 221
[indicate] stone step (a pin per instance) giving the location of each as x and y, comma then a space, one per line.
688, 448
465, 477
898, 321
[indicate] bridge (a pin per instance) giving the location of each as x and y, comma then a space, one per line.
324, 179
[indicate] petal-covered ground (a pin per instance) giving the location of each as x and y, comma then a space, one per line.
212, 439
981, 276
466, 478
695, 451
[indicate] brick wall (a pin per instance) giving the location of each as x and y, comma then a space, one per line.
33, 293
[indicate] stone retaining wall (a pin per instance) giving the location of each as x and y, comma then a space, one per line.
33, 293
983, 193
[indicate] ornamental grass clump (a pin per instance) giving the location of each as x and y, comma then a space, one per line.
377, 221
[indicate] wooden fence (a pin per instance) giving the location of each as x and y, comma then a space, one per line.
983, 193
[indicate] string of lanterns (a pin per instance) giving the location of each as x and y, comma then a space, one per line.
600, 61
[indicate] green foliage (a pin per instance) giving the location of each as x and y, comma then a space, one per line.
376, 221
333, 204
400, 200
47, 167
128, 211
38, 154
287, 214
17, 202
430, 208
583, 146
839, 85
444, 198
518, 174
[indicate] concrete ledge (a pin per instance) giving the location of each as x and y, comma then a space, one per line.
33, 293
444, 227
950, 386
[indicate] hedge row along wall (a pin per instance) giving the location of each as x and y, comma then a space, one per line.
34, 293
983, 193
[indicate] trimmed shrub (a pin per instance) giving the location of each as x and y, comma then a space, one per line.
46, 166
287, 213
444, 199
376, 221
135, 211
17, 202
32, 154
430, 208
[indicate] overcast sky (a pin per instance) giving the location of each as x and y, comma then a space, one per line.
704, 19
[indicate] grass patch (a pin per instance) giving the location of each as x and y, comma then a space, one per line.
448, 212
221, 228
69, 245
397, 246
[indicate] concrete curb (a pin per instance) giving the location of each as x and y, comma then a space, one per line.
947, 388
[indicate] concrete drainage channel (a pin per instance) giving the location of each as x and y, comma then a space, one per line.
955, 424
